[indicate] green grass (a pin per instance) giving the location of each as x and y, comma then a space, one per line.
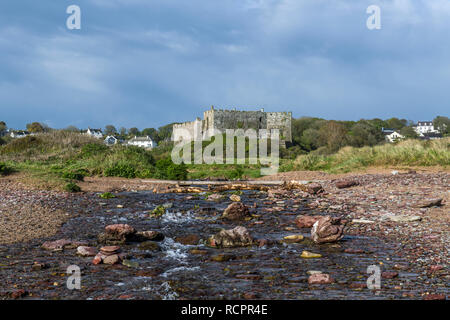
405, 153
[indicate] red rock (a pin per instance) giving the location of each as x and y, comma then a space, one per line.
120, 229
314, 188
86, 251
346, 184
108, 250
98, 259
436, 268
191, 239
249, 296
20, 293
327, 229
306, 221
434, 297
389, 274
357, 285
236, 211
320, 278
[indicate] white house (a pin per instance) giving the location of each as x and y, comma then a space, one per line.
425, 127
111, 140
96, 133
391, 135
18, 134
143, 142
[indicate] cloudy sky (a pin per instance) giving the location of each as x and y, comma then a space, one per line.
146, 63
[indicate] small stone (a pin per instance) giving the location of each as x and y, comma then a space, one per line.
362, 221
130, 264
85, 251
235, 198
198, 251
311, 272
320, 278
112, 259
389, 274
436, 268
223, 257
20, 293
109, 250
294, 238
310, 255
191, 239
56, 245
346, 184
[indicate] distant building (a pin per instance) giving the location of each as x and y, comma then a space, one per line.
96, 133
111, 140
391, 135
431, 135
18, 134
143, 142
423, 127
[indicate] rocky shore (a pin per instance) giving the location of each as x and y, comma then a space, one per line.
311, 242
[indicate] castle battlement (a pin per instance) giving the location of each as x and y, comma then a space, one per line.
222, 119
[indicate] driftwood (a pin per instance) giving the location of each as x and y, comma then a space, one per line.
220, 186
238, 186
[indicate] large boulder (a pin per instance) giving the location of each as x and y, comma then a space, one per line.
236, 211
327, 229
237, 237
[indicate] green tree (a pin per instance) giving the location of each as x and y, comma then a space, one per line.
110, 130
151, 132
364, 133
3, 126
36, 127
396, 124
333, 135
442, 124
133, 131
408, 132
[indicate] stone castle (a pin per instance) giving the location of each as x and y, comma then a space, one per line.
214, 119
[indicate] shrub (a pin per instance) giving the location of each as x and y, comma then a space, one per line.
71, 175
4, 169
237, 173
158, 211
107, 195
72, 187
123, 170
166, 169
92, 149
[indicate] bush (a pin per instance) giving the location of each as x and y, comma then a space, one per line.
237, 173
72, 187
166, 169
71, 175
4, 169
123, 170
107, 195
92, 149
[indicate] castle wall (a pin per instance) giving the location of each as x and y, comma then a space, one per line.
282, 121
234, 119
